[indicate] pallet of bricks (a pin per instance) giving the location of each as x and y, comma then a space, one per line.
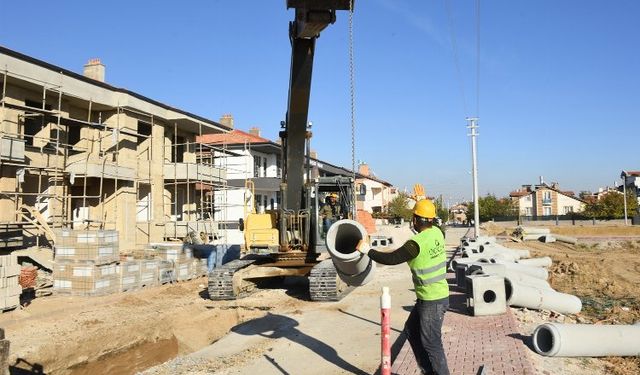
10, 288
86, 262
185, 266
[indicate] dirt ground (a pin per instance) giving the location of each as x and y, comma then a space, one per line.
125, 332
605, 276
173, 325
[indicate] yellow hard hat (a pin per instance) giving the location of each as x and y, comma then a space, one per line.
425, 208
333, 195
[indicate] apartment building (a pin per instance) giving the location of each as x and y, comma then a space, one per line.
76, 152
545, 200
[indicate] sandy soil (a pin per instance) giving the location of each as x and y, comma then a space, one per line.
74, 335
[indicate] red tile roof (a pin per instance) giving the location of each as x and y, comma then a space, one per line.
633, 173
234, 137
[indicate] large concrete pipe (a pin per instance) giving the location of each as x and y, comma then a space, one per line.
536, 262
497, 249
566, 239
533, 230
353, 267
538, 272
478, 240
504, 271
540, 299
586, 340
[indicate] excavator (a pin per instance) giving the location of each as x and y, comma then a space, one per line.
289, 241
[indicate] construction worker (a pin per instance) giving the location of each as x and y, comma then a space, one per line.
330, 212
426, 256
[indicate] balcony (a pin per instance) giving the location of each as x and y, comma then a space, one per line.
546, 202
193, 172
79, 166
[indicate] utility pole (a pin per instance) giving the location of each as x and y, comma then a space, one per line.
474, 174
624, 194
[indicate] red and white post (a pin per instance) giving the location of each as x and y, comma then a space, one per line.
385, 324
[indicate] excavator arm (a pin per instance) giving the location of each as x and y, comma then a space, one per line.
311, 17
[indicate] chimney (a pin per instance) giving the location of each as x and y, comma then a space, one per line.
227, 120
94, 69
363, 169
541, 180
255, 131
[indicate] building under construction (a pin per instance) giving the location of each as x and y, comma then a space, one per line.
78, 153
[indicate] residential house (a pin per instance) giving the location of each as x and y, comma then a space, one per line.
631, 182
373, 193
77, 152
544, 200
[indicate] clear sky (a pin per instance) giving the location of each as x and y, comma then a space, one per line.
559, 80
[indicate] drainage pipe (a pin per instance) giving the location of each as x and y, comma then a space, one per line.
537, 272
540, 299
502, 270
533, 230
353, 267
566, 239
586, 340
536, 262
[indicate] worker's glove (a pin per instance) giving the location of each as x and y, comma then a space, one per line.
363, 247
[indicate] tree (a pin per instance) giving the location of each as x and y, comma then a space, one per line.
398, 207
611, 206
492, 208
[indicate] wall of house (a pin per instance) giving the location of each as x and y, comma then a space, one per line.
565, 201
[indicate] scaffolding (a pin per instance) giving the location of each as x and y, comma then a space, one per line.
77, 170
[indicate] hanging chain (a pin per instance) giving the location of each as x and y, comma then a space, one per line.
353, 106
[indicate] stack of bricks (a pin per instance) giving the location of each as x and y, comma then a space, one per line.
200, 267
182, 258
149, 275
85, 262
129, 275
10, 289
166, 272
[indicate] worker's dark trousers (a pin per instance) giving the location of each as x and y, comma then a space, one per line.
424, 332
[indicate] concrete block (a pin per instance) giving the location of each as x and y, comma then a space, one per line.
486, 295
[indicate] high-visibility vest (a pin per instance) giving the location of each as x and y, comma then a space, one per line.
429, 267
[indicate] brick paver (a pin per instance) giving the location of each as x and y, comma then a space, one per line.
471, 342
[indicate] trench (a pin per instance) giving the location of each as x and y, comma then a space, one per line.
132, 360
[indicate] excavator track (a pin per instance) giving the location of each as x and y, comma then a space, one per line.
325, 284
221, 286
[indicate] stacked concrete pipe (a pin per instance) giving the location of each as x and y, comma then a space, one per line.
537, 298
536, 262
353, 267
537, 272
585, 340
504, 271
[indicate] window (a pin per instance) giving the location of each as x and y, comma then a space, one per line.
265, 202
33, 124
528, 198
546, 211
568, 209
144, 131
278, 167
264, 170
73, 134
278, 198
256, 166
527, 211
180, 148
546, 195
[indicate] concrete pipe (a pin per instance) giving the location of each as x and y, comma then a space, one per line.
497, 249
540, 299
537, 272
533, 230
566, 239
586, 340
536, 262
353, 267
502, 270
455, 262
